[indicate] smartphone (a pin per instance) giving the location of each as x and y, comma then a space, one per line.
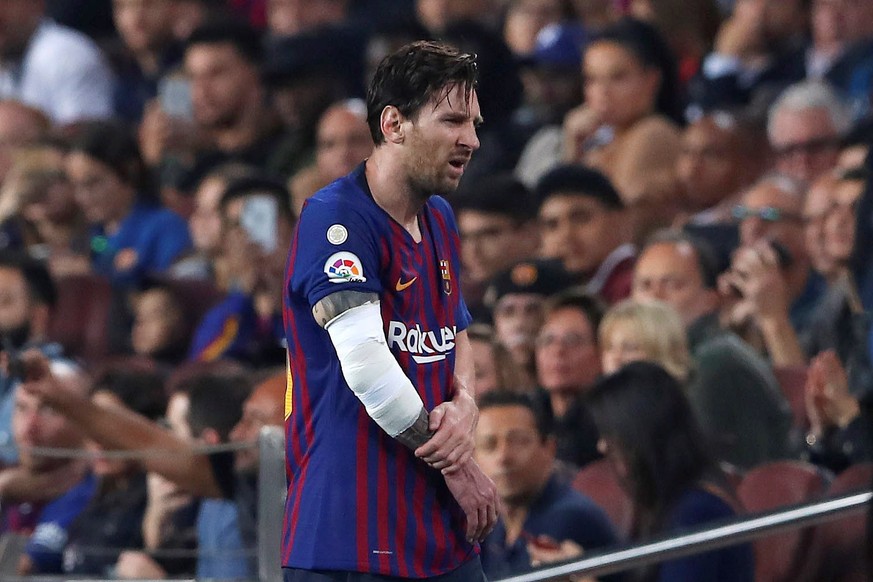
258, 218
174, 95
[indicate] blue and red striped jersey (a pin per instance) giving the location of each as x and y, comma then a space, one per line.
357, 499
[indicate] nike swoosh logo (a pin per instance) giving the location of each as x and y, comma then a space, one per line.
403, 286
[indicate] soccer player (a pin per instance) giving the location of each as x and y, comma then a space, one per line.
379, 417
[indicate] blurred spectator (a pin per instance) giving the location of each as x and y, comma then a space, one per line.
525, 19
567, 365
149, 51
160, 331
387, 37
516, 449
720, 155
203, 262
51, 67
745, 66
437, 15
113, 518
39, 213
652, 331
496, 217
131, 235
257, 229
28, 297
662, 459
551, 79
585, 225
817, 204
290, 17
44, 495
805, 126
20, 126
493, 368
516, 298
771, 290
732, 389
342, 142
598, 14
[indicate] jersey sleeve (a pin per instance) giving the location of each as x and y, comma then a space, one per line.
335, 249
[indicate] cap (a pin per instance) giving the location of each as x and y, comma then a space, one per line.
558, 46
534, 277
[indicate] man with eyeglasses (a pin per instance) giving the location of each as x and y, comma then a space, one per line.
804, 127
771, 290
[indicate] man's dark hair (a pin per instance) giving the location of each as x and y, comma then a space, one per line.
497, 398
40, 285
578, 180
140, 390
243, 37
415, 74
500, 194
251, 185
707, 264
588, 304
114, 145
215, 402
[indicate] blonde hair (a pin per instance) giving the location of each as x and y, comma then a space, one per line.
659, 330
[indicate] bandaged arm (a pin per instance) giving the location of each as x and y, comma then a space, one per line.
353, 320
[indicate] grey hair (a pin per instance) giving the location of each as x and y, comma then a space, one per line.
812, 95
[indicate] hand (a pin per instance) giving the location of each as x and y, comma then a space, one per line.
579, 125
755, 274
545, 550
453, 424
137, 565
742, 35
477, 496
827, 397
159, 133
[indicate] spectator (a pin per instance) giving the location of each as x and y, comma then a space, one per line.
733, 391
113, 518
20, 126
149, 52
493, 368
516, 298
664, 464
805, 126
496, 218
515, 448
525, 19
131, 236
44, 495
437, 15
29, 297
625, 129
567, 365
342, 142
651, 332
247, 324
160, 331
290, 17
51, 67
816, 205
585, 225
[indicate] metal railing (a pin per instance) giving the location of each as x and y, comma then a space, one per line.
701, 540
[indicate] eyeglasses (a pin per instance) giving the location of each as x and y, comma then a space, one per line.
811, 147
567, 340
765, 213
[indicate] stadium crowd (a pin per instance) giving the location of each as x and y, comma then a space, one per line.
666, 233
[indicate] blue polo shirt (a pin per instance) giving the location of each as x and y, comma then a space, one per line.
560, 512
148, 240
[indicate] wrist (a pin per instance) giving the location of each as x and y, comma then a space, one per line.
849, 410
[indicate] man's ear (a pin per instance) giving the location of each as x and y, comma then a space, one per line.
391, 123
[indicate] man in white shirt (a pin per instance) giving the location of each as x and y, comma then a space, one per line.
51, 67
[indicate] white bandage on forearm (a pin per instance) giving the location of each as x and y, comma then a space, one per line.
371, 371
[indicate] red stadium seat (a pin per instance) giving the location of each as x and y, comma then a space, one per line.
838, 547
772, 485
598, 481
81, 316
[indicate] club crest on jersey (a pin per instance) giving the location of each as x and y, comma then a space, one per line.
446, 272
344, 267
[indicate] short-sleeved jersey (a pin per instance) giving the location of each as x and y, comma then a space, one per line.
357, 499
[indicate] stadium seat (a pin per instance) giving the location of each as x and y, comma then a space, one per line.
770, 486
598, 481
838, 547
81, 316
792, 381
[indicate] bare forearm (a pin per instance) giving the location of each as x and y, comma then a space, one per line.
782, 343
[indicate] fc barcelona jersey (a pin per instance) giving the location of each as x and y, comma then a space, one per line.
357, 499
